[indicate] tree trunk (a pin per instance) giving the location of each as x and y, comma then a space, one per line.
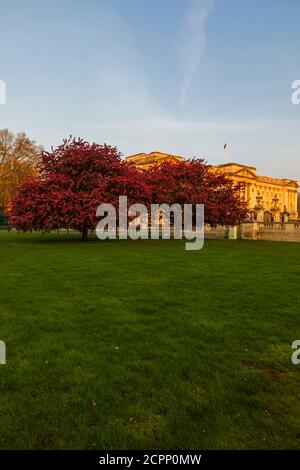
84, 234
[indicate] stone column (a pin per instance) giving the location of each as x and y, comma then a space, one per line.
275, 214
285, 215
252, 186
232, 233
286, 200
249, 230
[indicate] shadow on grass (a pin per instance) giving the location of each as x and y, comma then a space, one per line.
34, 237
52, 238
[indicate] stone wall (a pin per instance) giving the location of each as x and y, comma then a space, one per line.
275, 231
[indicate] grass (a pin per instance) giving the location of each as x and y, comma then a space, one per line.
143, 345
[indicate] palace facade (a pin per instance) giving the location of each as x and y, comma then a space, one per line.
144, 161
273, 198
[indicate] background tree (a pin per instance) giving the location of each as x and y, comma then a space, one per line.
18, 161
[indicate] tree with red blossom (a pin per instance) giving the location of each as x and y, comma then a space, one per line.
196, 182
73, 180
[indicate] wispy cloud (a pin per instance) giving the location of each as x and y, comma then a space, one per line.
193, 42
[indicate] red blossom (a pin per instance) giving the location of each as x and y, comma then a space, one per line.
74, 179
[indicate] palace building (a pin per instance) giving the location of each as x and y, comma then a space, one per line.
146, 160
274, 198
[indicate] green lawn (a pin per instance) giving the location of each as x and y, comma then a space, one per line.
123, 344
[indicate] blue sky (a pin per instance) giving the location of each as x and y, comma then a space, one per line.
178, 76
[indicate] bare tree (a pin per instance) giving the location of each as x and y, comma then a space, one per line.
18, 161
